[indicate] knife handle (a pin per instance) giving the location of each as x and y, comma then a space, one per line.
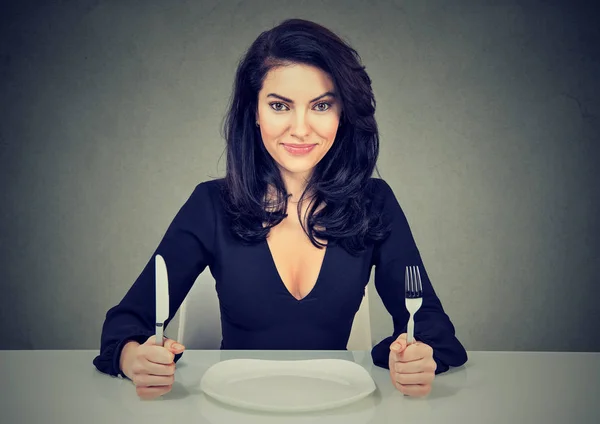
159, 334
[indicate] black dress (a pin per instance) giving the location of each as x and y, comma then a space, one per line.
257, 310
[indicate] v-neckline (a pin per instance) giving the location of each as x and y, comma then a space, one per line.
282, 283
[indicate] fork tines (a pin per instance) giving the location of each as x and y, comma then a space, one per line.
413, 286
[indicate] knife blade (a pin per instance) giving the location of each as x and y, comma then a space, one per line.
162, 296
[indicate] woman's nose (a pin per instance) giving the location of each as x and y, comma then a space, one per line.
300, 126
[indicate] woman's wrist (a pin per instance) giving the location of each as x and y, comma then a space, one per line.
126, 353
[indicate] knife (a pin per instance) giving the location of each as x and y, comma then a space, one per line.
162, 297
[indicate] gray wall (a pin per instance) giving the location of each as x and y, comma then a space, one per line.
111, 113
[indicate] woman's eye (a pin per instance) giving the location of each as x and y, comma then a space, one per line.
322, 107
278, 106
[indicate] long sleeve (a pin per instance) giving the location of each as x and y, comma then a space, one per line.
186, 247
432, 324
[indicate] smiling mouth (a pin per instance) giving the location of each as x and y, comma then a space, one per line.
299, 149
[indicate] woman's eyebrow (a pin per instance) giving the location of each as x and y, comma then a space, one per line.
285, 99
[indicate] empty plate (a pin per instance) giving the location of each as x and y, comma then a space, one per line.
287, 386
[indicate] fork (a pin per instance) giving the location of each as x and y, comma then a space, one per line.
413, 294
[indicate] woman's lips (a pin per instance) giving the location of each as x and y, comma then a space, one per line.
299, 149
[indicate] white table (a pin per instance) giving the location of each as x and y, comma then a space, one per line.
56, 386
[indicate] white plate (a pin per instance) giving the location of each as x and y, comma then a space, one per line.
287, 386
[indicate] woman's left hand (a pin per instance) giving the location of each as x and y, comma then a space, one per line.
412, 367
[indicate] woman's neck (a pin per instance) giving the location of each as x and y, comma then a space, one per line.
295, 184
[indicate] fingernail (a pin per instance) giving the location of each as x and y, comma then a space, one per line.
395, 347
177, 346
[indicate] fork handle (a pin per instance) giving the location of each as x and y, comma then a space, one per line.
410, 330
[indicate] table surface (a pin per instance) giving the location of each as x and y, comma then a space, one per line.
63, 386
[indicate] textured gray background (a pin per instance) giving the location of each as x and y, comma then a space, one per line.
110, 114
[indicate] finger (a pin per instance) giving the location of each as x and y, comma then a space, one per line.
148, 393
158, 355
417, 390
148, 380
173, 346
409, 356
169, 344
144, 366
412, 367
151, 341
399, 344
415, 352
416, 378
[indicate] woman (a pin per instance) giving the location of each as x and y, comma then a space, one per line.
293, 230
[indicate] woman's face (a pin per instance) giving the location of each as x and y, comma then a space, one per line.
298, 117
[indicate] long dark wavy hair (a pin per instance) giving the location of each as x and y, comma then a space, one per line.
340, 182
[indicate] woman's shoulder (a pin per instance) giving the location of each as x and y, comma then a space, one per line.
212, 190
379, 189
206, 195
208, 189
212, 184
382, 197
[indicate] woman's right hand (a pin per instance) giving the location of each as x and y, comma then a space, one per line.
151, 368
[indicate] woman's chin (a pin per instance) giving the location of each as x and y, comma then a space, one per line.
297, 169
